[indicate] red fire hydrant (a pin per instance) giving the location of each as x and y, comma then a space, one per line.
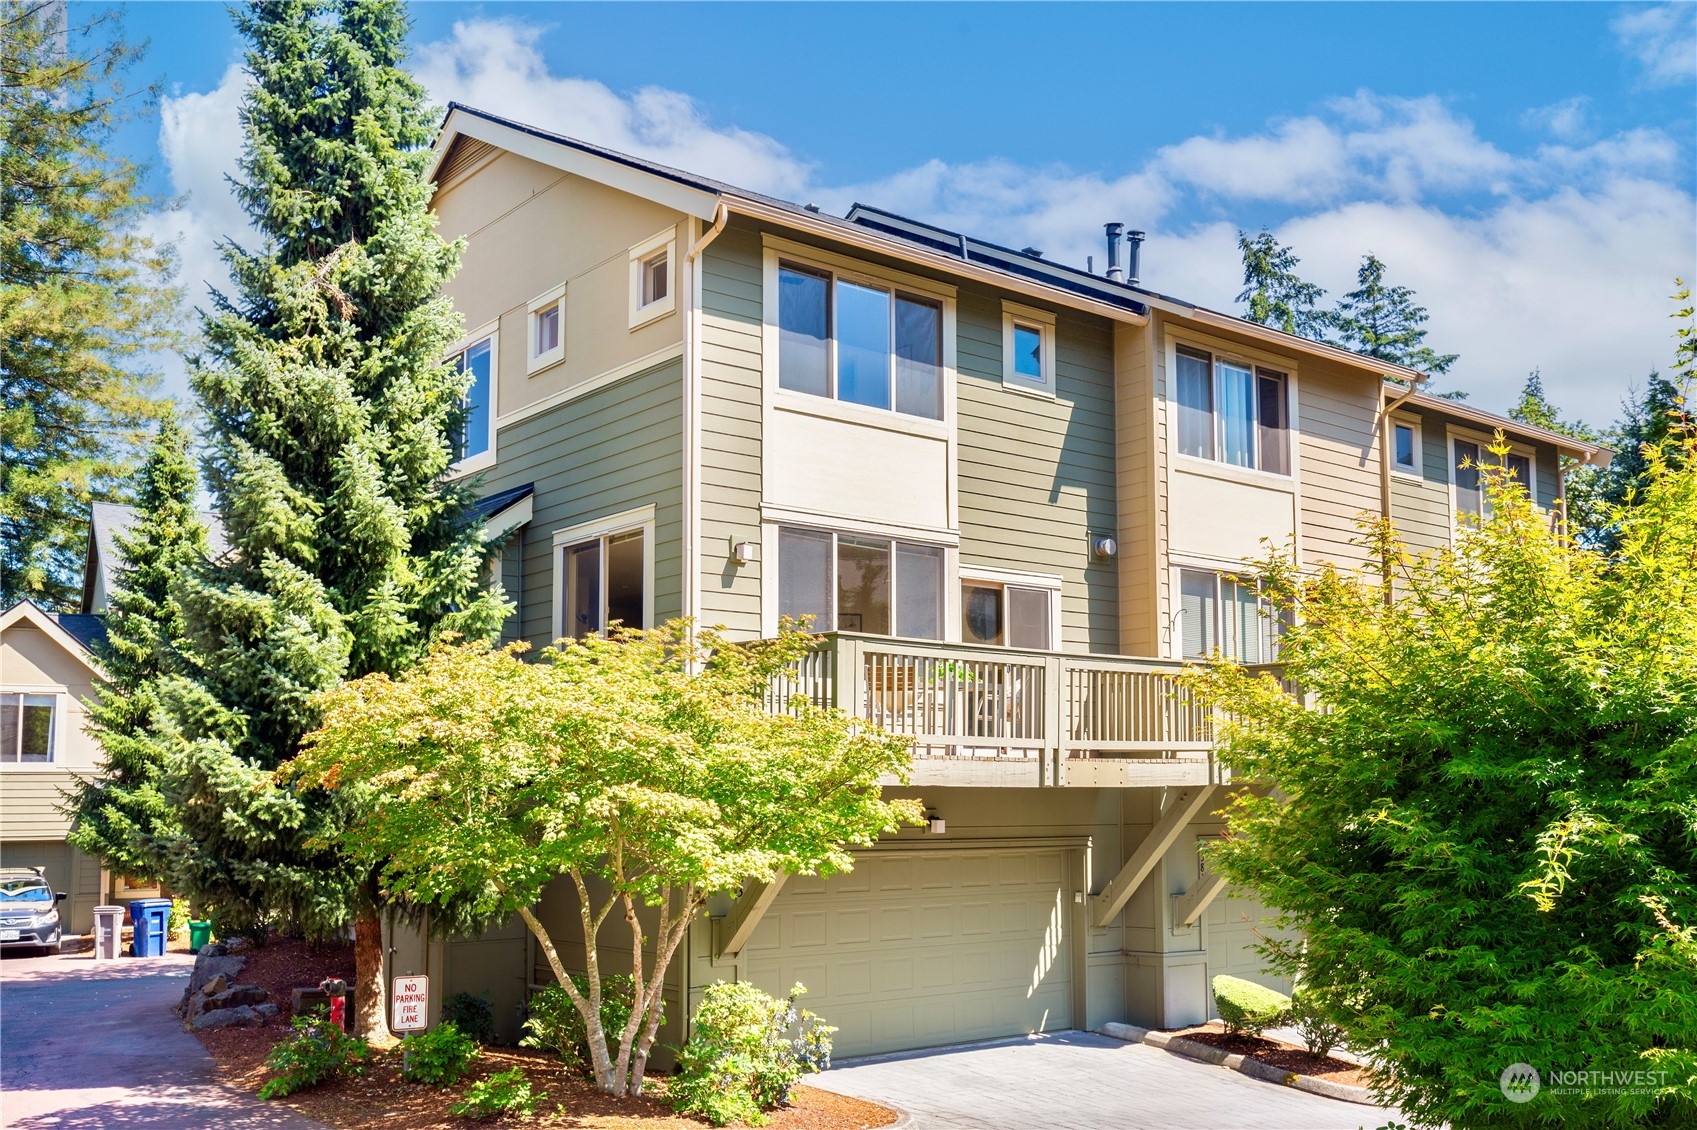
337, 990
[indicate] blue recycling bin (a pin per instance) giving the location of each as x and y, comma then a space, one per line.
152, 921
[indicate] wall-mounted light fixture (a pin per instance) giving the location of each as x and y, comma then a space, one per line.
935, 824
745, 551
1104, 548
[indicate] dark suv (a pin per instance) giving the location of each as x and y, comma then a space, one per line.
29, 909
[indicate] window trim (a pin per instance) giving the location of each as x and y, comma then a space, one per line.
639, 254
492, 332
778, 250
640, 518
1255, 361
56, 737
987, 575
1418, 470
535, 362
1014, 314
1452, 433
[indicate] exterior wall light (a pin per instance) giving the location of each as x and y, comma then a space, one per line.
744, 552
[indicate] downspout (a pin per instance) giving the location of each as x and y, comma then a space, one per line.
1385, 467
692, 414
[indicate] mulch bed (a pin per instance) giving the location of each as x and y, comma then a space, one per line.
1277, 1053
381, 1098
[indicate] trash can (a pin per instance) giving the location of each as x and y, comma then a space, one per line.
108, 932
199, 934
152, 920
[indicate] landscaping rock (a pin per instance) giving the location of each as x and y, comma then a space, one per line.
215, 986
267, 1010
232, 997
209, 966
240, 1017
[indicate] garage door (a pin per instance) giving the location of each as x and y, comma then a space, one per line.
922, 948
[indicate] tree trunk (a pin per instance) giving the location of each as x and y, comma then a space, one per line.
369, 997
657, 987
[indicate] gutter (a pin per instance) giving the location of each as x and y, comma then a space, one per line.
1385, 410
692, 413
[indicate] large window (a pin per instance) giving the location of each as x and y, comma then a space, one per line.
1224, 614
603, 575
859, 342
478, 360
1231, 412
850, 583
1471, 501
27, 728
1006, 615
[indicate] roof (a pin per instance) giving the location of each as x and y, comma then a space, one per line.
1584, 451
89, 630
109, 519
28, 612
887, 232
491, 505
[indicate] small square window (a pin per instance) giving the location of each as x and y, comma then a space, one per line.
1028, 349
547, 331
655, 278
1405, 451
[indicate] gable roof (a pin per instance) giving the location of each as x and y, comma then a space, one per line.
28, 612
1593, 453
109, 519
870, 228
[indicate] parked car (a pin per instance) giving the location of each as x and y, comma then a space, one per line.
29, 909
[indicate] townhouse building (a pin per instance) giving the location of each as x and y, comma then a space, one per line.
1016, 495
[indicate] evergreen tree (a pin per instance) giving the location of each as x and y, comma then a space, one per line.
1582, 483
120, 816
329, 404
81, 300
1383, 321
1274, 293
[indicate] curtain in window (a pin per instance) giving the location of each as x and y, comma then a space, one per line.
803, 327
1273, 431
1242, 622
919, 359
1237, 415
804, 578
1197, 613
1195, 394
919, 591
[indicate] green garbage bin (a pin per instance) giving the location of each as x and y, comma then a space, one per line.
199, 934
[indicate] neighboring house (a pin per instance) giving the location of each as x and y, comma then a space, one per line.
47, 676
1019, 495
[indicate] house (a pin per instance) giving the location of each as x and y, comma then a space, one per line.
47, 677
1018, 495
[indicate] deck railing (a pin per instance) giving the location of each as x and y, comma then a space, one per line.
956, 701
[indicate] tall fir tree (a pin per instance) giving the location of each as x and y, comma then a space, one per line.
329, 405
119, 815
83, 305
1379, 320
1274, 294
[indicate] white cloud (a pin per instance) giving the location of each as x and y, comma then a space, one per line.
1559, 257
1567, 120
1662, 38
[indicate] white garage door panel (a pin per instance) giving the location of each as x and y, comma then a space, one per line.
924, 949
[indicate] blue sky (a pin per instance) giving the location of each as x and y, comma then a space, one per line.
1528, 168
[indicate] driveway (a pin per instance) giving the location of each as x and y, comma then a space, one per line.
86, 1046
1081, 1081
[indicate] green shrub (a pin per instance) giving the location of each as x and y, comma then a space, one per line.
1310, 1013
179, 920
472, 1015
506, 1092
437, 1057
1247, 1007
556, 1026
314, 1053
745, 1053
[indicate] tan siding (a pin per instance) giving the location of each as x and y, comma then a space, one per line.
730, 429
1339, 461
29, 804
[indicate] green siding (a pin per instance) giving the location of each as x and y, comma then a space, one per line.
614, 449
730, 428
1037, 474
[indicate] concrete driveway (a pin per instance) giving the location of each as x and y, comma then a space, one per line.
86, 1046
1081, 1081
